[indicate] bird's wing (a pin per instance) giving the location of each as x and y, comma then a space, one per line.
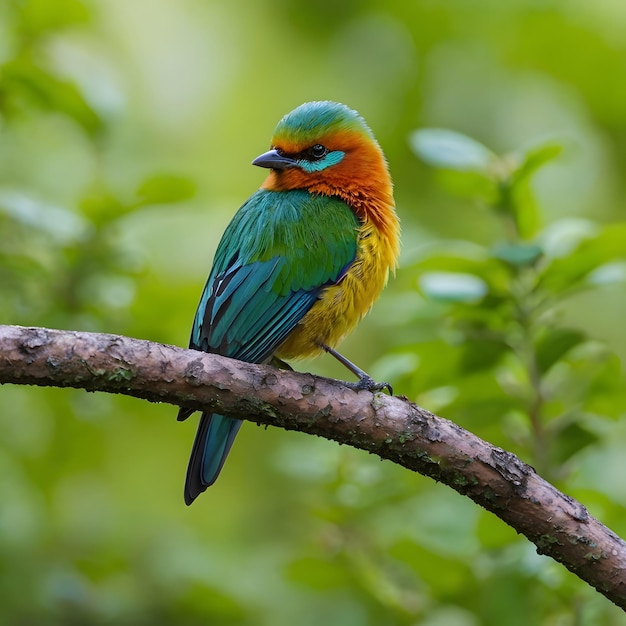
278, 253
280, 250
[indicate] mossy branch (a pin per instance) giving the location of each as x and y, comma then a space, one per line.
391, 427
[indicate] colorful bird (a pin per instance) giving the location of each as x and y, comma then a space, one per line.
300, 264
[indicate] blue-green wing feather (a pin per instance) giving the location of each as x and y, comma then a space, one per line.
280, 250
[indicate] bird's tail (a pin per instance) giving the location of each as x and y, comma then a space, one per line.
211, 446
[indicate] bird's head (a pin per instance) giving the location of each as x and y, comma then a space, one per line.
326, 147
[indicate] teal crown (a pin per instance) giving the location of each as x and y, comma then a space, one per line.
312, 120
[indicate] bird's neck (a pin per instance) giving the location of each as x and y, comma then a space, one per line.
372, 204
371, 199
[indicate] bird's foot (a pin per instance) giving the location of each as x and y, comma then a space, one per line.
367, 383
365, 380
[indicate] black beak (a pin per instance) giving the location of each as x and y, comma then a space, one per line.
274, 160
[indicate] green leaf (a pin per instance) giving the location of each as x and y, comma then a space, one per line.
570, 271
534, 159
469, 184
480, 402
165, 189
27, 83
440, 571
456, 258
554, 344
609, 273
571, 439
100, 205
59, 222
451, 150
452, 287
524, 209
561, 237
517, 198
481, 354
606, 393
518, 254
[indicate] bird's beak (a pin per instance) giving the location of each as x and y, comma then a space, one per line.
272, 159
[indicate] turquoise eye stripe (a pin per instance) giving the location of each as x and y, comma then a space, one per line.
332, 158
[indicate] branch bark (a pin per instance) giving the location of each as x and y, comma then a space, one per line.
391, 427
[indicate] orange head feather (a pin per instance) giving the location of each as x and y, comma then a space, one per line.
327, 148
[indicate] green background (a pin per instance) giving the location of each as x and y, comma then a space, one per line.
127, 129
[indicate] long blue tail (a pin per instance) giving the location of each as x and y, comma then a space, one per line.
211, 446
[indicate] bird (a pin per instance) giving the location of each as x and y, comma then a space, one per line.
301, 262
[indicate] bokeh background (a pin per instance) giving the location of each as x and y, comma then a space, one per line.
127, 129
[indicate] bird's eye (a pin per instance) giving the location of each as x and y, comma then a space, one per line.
318, 151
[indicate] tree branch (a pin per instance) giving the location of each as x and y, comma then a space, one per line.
391, 427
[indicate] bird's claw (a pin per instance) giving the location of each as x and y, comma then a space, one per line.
367, 383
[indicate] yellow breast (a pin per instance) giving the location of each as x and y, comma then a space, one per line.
340, 307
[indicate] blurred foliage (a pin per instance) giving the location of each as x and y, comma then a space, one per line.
125, 141
549, 387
